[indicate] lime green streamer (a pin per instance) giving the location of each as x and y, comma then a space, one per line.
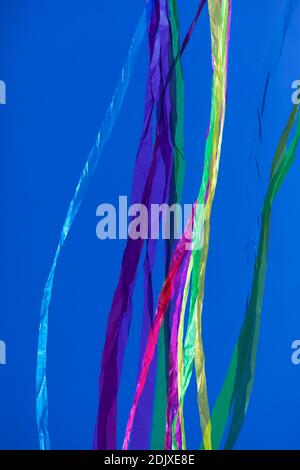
160, 406
248, 341
219, 13
237, 388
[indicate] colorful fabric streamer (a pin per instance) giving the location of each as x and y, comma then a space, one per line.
169, 288
156, 418
174, 89
82, 186
160, 406
218, 16
148, 187
187, 272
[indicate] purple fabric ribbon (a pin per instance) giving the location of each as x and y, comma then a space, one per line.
151, 185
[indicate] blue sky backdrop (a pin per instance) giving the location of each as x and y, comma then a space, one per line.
61, 61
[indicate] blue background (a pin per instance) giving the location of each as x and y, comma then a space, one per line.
60, 61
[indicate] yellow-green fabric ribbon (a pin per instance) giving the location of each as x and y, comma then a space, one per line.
192, 351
